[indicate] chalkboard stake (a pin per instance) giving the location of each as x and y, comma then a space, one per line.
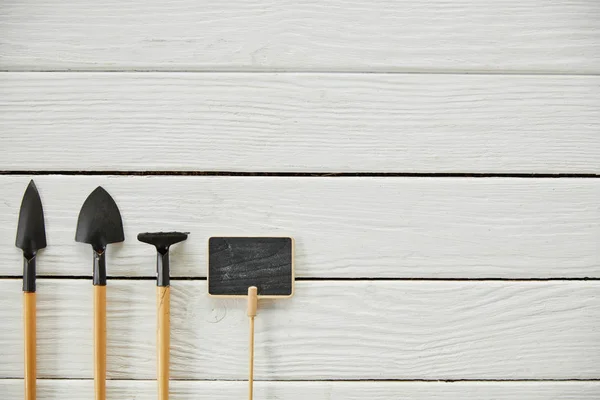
247, 266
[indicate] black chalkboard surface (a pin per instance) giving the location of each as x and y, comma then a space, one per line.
236, 263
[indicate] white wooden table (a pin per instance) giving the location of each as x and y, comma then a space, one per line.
437, 162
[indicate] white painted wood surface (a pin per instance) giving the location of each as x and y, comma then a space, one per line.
334, 35
300, 122
344, 227
186, 390
499, 87
328, 330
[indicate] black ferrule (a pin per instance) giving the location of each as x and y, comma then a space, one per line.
29, 274
162, 269
99, 268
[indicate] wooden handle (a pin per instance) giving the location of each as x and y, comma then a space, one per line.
30, 343
163, 340
252, 307
100, 342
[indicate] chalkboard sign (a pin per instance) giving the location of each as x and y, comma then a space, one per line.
236, 263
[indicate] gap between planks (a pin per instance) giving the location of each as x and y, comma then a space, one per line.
548, 72
524, 175
9, 378
314, 279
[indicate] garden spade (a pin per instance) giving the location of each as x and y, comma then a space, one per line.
162, 241
31, 237
99, 224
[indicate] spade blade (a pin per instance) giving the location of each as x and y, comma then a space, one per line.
99, 221
31, 230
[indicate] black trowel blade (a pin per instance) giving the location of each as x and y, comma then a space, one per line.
99, 221
31, 230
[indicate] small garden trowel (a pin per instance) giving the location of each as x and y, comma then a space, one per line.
31, 237
99, 224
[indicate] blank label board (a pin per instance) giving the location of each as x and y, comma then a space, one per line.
236, 263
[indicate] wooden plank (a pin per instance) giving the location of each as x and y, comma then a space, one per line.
404, 227
219, 390
433, 35
328, 330
300, 122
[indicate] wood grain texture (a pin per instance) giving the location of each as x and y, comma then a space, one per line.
328, 330
163, 340
300, 122
100, 342
190, 390
252, 308
30, 345
404, 227
385, 35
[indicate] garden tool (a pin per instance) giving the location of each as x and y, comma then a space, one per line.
31, 237
99, 224
162, 241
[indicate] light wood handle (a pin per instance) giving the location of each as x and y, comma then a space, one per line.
100, 342
29, 310
163, 340
252, 307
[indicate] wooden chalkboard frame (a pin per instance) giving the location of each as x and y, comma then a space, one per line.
293, 268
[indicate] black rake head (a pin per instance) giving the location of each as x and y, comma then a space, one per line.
162, 240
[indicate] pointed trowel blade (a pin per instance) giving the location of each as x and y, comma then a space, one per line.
31, 230
99, 221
